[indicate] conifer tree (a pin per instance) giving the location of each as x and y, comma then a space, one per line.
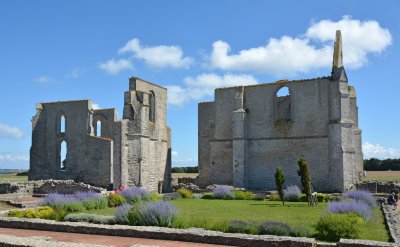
304, 173
279, 181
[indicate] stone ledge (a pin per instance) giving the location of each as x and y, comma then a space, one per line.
11, 240
187, 235
392, 221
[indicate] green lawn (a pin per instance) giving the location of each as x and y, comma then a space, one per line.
12, 177
215, 214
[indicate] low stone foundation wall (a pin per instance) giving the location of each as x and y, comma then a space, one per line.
378, 187
188, 235
46, 186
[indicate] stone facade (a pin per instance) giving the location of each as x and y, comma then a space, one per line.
100, 149
249, 131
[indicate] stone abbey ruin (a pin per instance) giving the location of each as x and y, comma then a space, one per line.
100, 149
249, 131
243, 136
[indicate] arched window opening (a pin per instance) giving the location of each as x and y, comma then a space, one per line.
62, 124
152, 107
98, 128
283, 105
63, 155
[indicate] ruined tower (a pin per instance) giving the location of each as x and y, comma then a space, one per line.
72, 140
249, 131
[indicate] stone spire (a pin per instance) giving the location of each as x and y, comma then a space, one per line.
337, 53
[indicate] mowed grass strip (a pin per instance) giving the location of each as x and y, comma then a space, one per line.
216, 214
12, 177
383, 176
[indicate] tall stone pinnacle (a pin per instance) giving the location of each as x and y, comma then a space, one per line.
337, 53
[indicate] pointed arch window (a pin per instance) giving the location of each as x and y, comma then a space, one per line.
152, 107
98, 128
62, 123
63, 155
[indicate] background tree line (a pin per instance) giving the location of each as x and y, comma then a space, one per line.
382, 165
188, 169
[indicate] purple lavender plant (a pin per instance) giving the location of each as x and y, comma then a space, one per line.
363, 196
223, 192
160, 213
91, 200
121, 213
358, 207
292, 193
68, 203
135, 194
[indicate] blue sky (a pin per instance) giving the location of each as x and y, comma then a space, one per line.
65, 50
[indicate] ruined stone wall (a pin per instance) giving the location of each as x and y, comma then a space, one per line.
82, 149
310, 131
133, 151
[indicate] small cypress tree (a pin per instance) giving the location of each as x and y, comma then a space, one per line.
304, 173
279, 181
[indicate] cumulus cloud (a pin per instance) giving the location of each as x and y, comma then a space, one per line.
161, 56
203, 85
43, 79
95, 106
12, 158
380, 152
291, 55
174, 153
359, 38
113, 66
7, 131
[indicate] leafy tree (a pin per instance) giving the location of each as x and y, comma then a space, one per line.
279, 181
304, 173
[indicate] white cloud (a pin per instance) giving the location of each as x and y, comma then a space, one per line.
43, 79
7, 131
289, 55
380, 152
113, 66
359, 38
203, 85
13, 158
95, 106
161, 56
174, 153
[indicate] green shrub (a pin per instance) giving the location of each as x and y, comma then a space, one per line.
238, 226
274, 197
40, 212
321, 197
335, 198
207, 196
299, 232
115, 200
16, 213
185, 193
332, 227
303, 198
274, 228
59, 215
258, 197
98, 203
156, 197
91, 218
243, 195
